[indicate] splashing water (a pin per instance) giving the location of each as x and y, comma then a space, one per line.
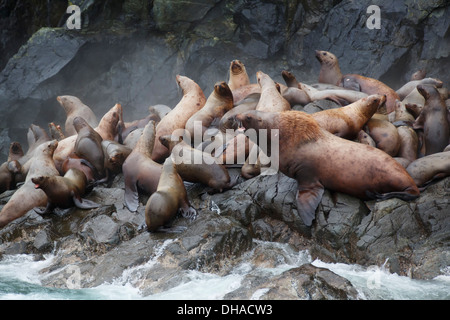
20, 279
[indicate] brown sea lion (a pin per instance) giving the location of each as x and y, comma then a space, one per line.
330, 72
402, 114
64, 192
295, 96
305, 150
384, 134
271, 99
193, 165
88, 145
290, 79
430, 168
433, 120
8, 170
169, 199
346, 122
193, 100
107, 129
27, 197
15, 151
219, 102
141, 173
238, 75
75, 108
406, 89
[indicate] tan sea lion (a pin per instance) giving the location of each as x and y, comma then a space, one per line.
8, 169
409, 143
290, 79
169, 199
243, 92
384, 134
219, 102
364, 138
136, 124
227, 120
194, 165
141, 173
346, 122
401, 114
330, 72
75, 108
406, 89
271, 99
430, 168
305, 152
341, 97
88, 145
27, 197
238, 75
107, 129
115, 155
433, 120
64, 192
15, 151
193, 100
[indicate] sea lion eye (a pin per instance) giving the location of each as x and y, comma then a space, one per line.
324, 53
248, 118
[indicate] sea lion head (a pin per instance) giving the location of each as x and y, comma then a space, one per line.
169, 141
68, 102
222, 90
237, 67
253, 119
40, 182
50, 147
79, 123
15, 148
289, 78
326, 58
427, 90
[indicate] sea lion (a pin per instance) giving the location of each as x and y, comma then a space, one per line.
140, 172
384, 134
15, 151
75, 162
115, 155
136, 124
341, 97
346, 122
330, 72
401, 114
107, 128
409, 143
169, 199
159, 109
238, 75
193, 100
27, 197
75, 108
243, 92
227, 120
433, 120
271, 99
406, 89
364, 138
88, 145
64, 192
194, 165
430, 168
305, 150
8, 170
290, 79
219, 102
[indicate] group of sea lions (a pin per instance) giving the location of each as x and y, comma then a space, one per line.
377, 143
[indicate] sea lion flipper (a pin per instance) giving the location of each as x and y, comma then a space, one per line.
84, 203
188, 213
307, 201
131, 198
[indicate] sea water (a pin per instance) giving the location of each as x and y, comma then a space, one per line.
20, 278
